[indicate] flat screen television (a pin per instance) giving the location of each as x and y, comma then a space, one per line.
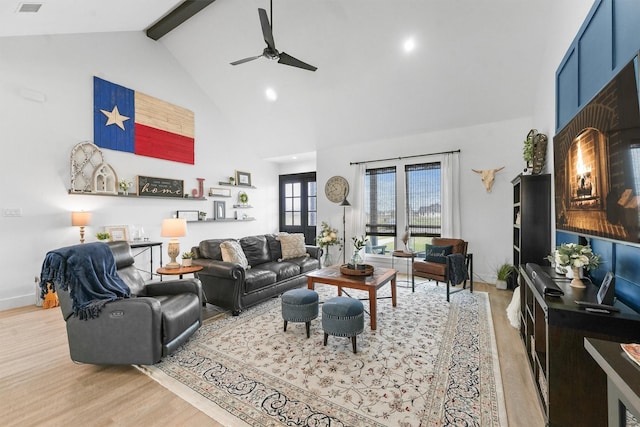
597, 163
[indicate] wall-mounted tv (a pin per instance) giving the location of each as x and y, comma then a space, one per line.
597, 163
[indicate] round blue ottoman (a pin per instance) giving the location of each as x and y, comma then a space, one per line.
299, 305
342, 317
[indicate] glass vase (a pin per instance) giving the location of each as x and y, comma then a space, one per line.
356, 259
326, 259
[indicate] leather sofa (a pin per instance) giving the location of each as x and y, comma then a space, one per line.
233, 287
157, 319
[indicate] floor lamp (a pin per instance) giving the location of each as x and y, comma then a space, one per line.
344, 205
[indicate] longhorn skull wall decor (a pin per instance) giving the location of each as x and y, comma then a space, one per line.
488, 176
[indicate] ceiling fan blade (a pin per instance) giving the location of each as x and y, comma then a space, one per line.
290, 60
242, 61
266, 29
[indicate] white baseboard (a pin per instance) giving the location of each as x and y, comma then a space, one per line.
15, 302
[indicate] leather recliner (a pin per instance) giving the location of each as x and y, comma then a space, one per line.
157, 319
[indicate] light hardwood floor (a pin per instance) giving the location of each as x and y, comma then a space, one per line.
41, 386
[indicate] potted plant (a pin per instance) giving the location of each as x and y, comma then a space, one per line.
243, 197
502, 275
232, 180
103, 236
202, 215
527, 151
187, 257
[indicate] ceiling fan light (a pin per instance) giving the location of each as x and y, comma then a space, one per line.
409, 45
271, 94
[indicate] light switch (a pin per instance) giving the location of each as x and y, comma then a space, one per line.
12, 212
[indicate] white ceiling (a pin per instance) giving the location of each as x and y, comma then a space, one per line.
474, 62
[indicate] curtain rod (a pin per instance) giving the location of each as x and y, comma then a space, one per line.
405, 157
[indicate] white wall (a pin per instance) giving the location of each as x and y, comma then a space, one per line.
37, 138
486, 217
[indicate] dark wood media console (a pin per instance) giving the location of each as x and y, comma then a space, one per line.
571, 387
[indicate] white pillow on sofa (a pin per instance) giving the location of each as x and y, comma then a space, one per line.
292, 245
232, 252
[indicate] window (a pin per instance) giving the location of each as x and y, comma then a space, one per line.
423, 202
389, 212
380, 209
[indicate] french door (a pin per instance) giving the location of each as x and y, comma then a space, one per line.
298, 205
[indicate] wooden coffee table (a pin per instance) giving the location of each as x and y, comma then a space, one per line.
332, 276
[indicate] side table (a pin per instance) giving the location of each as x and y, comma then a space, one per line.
410, 257
179, 271
146, 245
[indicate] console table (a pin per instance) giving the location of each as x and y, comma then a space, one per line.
147, 246
572, 389
623, 380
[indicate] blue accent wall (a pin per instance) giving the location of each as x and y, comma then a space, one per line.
607, 40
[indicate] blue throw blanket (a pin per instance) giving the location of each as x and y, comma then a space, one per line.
457, 269
88, 272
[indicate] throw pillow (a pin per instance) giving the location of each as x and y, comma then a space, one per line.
232, 252
292, 245
437, 253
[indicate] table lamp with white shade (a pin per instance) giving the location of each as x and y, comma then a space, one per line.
80, 219
174, 228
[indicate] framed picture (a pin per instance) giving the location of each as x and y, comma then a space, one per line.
117, 232
188, 215
219, 210
243, 178
219, 192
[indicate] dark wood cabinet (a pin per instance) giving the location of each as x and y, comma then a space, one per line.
531, 218
572, 389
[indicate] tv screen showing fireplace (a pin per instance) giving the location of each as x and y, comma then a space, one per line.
597, 163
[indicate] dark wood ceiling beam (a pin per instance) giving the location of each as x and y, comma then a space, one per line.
177, 16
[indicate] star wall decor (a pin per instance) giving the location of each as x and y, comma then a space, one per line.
114, 117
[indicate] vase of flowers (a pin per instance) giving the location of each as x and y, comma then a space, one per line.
358, 244
328, 237
575, 257
124, 186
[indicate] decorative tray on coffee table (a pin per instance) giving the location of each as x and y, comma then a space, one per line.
362, 270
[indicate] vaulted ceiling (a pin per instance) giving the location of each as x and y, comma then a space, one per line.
473, 62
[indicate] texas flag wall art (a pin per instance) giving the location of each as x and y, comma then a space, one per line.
127, 120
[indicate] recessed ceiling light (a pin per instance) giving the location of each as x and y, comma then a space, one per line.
409, 45
29, 7
271, 94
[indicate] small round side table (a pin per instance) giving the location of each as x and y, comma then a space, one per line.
410, 257
178, 271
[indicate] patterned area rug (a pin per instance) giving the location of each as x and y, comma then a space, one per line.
430, 363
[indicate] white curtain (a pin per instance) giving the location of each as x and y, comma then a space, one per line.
358, 219
450, 177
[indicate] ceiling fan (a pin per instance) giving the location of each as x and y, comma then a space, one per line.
270, 52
